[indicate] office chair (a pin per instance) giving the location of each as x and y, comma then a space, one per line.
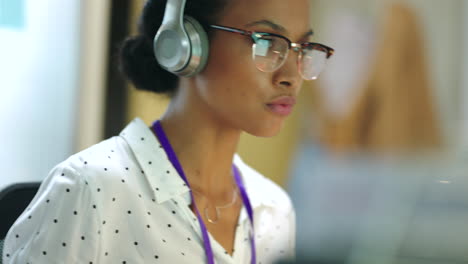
13, 201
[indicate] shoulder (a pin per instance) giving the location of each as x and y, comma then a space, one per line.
107, 158
101, 173
261, 190
70, 198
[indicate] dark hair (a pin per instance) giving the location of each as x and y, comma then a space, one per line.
137, 60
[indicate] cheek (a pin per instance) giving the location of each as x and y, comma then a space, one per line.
230, 72
229, 62
230, 55
235, 90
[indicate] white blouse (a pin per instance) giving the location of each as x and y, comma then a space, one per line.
122, 201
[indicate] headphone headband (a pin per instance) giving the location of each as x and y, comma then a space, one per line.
174, 13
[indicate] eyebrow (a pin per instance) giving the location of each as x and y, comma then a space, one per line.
277, 27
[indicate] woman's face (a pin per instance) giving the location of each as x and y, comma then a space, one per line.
234, 90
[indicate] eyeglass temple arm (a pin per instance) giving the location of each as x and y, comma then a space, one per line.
233, 30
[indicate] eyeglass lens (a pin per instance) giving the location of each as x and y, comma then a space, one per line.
311, 63
270, 53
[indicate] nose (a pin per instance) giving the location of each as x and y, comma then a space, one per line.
288, 75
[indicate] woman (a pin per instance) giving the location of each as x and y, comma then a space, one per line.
176, 192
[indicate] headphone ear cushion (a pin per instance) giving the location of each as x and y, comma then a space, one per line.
199, 47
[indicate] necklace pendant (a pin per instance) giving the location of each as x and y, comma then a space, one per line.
207, 215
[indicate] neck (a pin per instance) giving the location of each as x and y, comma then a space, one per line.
203, 143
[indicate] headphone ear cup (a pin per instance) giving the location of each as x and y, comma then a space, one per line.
199, 45
171, 49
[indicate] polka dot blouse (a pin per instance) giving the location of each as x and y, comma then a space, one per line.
122, 201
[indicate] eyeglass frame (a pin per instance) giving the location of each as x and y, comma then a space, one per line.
291, 45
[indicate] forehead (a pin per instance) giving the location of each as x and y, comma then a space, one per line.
292, 15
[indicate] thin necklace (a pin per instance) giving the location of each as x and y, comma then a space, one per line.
217, 208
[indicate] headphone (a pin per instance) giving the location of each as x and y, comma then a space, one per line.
181, 44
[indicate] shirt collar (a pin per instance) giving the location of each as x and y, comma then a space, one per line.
163, 177
151, 157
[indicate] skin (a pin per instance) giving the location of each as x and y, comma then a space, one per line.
206, 117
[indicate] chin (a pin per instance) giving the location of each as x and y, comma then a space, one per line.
266, 130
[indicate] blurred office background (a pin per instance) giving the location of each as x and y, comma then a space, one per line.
379, 174
373, 157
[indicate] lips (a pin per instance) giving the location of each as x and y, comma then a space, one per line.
282, 106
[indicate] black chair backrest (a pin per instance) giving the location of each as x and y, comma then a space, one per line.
13, 201
1, 251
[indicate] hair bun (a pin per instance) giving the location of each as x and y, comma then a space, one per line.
139, 65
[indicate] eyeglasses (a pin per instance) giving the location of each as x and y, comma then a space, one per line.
270, 51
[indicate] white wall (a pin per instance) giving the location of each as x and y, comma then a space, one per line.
39, 73
52, 76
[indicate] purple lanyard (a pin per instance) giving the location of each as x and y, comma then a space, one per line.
157, 128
